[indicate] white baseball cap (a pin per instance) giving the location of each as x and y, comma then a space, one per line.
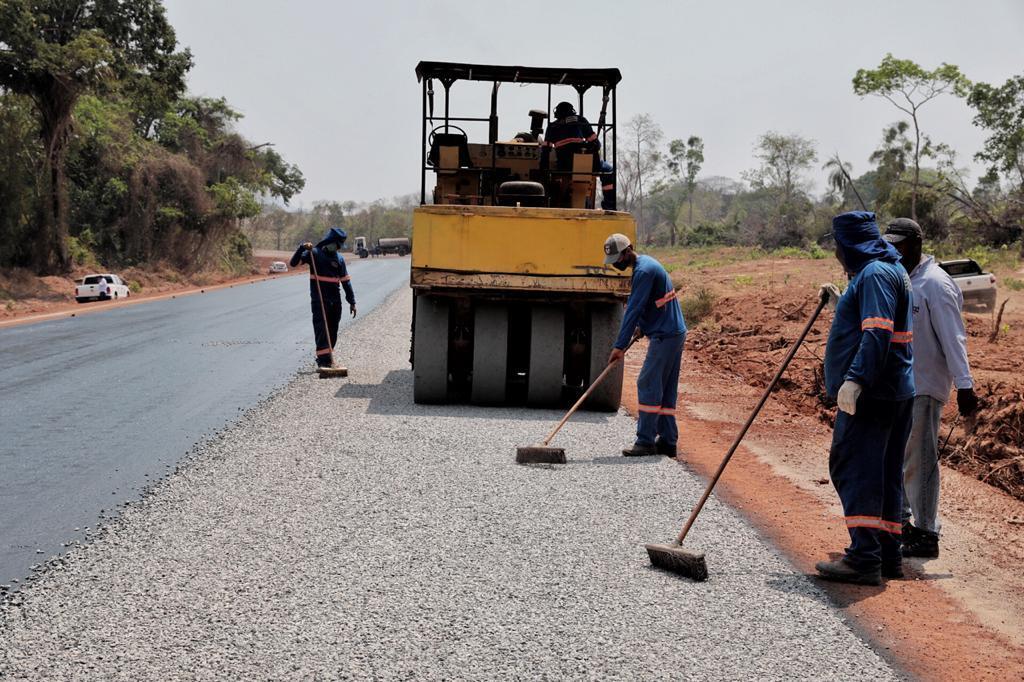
614, 246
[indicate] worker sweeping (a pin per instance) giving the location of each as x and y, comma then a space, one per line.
327, 276
653, 308
868, 369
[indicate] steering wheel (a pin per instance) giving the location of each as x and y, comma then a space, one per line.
430, 138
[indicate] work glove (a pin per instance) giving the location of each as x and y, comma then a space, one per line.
966, 401
830, 293
308, 246
352, 309
847, 398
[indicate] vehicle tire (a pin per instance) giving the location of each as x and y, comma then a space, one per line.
430, 350
490, 354
79, 300
547, 355
605, 319
521, 188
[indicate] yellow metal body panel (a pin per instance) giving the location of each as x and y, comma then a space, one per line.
539, 248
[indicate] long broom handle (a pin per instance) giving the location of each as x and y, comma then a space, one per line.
586, 393
323, 310
750, 420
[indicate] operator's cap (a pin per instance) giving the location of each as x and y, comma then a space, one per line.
614, 246
903, 228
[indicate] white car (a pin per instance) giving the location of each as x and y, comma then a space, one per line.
101, 288
278, 266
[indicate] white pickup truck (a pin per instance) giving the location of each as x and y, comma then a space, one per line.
978, 287
101, 288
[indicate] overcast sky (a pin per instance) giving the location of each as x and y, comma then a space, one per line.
332, 83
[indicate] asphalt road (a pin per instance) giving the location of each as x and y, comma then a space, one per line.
98, 406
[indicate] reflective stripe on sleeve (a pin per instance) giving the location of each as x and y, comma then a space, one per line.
902, 337
877, 323
665, 299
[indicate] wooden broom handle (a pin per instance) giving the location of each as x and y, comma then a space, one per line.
750, 420
586, 393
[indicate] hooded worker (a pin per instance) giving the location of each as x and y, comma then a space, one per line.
327, 275
654, 312
868, 370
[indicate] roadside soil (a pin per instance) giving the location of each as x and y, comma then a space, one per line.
26, 295
959, 616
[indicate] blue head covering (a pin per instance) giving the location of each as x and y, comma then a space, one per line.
859, 240
335, 235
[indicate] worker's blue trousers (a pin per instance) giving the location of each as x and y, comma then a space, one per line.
657, 388
866, 466
326, 336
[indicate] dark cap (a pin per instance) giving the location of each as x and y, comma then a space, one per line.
903, 228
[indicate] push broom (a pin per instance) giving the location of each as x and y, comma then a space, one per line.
544, 453
673, 556
332, 371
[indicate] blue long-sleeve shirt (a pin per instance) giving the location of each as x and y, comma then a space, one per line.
871, 335
652, 304
331, 273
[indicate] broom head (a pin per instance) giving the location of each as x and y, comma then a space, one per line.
539, 454
331, 372
674, 558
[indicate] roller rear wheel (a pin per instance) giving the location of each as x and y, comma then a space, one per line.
604, 327
430, 350
547, 353
490, 354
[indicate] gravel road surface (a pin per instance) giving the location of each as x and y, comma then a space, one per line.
337, 531
96, 406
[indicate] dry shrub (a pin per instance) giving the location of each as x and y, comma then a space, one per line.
992, 449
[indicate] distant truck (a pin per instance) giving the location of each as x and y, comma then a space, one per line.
360, 248
977, 286
399, 245
101, 288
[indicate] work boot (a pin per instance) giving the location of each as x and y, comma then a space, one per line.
640, 450
922, 544
842, 572
663, 448
893, 570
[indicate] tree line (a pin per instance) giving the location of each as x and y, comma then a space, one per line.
910, 174
103, 154
277, 228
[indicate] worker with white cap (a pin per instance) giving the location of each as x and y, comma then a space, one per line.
652, 310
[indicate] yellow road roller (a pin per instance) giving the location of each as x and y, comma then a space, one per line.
512, 302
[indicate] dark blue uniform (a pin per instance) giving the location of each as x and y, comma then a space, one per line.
654, 309
870, 343
569, 134
331, 276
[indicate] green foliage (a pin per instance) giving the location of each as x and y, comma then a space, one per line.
698, 305
1013, 284
904, 80
134, 286
55, 52
81, 253
236, 254
1000, 111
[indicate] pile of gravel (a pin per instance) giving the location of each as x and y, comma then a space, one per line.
338, 530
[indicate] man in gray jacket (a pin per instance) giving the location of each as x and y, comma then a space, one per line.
940, 362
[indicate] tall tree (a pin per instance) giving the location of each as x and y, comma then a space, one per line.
892, 158
784, 161
683, 162
56, 50
640, 160
908, 87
